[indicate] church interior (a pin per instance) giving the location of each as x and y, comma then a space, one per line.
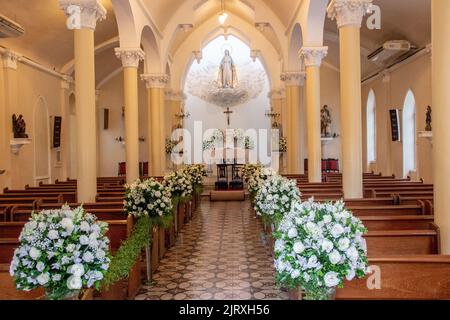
175, 149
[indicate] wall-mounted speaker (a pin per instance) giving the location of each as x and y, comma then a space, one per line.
395, 124
105, 119
57, 132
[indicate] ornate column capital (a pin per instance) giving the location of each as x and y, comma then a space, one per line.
277, 94
155, 80
348, 12
10, 59
313, 56
82, 14
130, 56
293, 78
66, 82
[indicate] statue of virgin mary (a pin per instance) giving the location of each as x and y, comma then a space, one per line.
227, 72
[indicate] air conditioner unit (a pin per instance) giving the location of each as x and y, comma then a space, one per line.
9, 28
390, 50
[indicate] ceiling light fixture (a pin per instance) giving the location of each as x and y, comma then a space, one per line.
223, 16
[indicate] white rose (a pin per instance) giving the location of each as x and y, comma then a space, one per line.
35, 253
67, 224
298, 247
343, 244
295, 274
43, 278
337, 230
331, 279
84, 240
350, 275
352, 253
88, 257
40, 266
53, 235
74, 283
327, 245
292, 233
84, 226
327, 218
334, 257
77, 270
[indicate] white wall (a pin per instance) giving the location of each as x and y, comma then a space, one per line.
110, 152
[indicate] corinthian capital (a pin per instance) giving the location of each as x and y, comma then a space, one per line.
293, 78
82, 14
313, 56
10, 59
348, 12
155, 80
130, 56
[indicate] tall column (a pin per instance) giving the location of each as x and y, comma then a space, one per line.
276, 97
130, 60
9, 96
82, 18
313, 59
66, 83
156, 84
293, 82
440, 13
348, 15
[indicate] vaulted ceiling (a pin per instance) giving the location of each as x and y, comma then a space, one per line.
49, 42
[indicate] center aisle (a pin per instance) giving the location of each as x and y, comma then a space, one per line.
220, 254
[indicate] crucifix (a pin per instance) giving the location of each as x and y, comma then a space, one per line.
228, 114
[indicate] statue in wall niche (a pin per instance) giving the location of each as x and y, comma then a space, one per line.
19, 127
325, 119
227, 78
428, 119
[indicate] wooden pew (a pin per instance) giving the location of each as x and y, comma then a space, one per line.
404, 277
402, 242
66, 196
416, 222
392, 210
101, 214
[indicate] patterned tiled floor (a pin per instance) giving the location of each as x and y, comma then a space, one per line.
220, 254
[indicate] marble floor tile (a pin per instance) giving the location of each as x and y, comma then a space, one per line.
221, 254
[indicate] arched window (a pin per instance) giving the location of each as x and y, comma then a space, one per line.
409, 134
370, 118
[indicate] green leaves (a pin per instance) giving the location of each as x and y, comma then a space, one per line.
128, 252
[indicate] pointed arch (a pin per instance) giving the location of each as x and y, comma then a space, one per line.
41, 131
371, 127
409, 133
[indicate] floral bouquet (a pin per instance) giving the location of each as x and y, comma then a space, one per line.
196, 173
148, 198
317, 247
255, 180
249, 170
170, 145
63, 251
180, 185
275, 197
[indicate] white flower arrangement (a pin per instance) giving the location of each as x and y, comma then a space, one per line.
282, 145
63, 251
275, 197
180, 185
318, 246
255, 177
196, 173
148, 198
170, 145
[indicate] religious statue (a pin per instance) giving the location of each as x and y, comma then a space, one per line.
428, 119
227, 72
19, 127
325, 118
